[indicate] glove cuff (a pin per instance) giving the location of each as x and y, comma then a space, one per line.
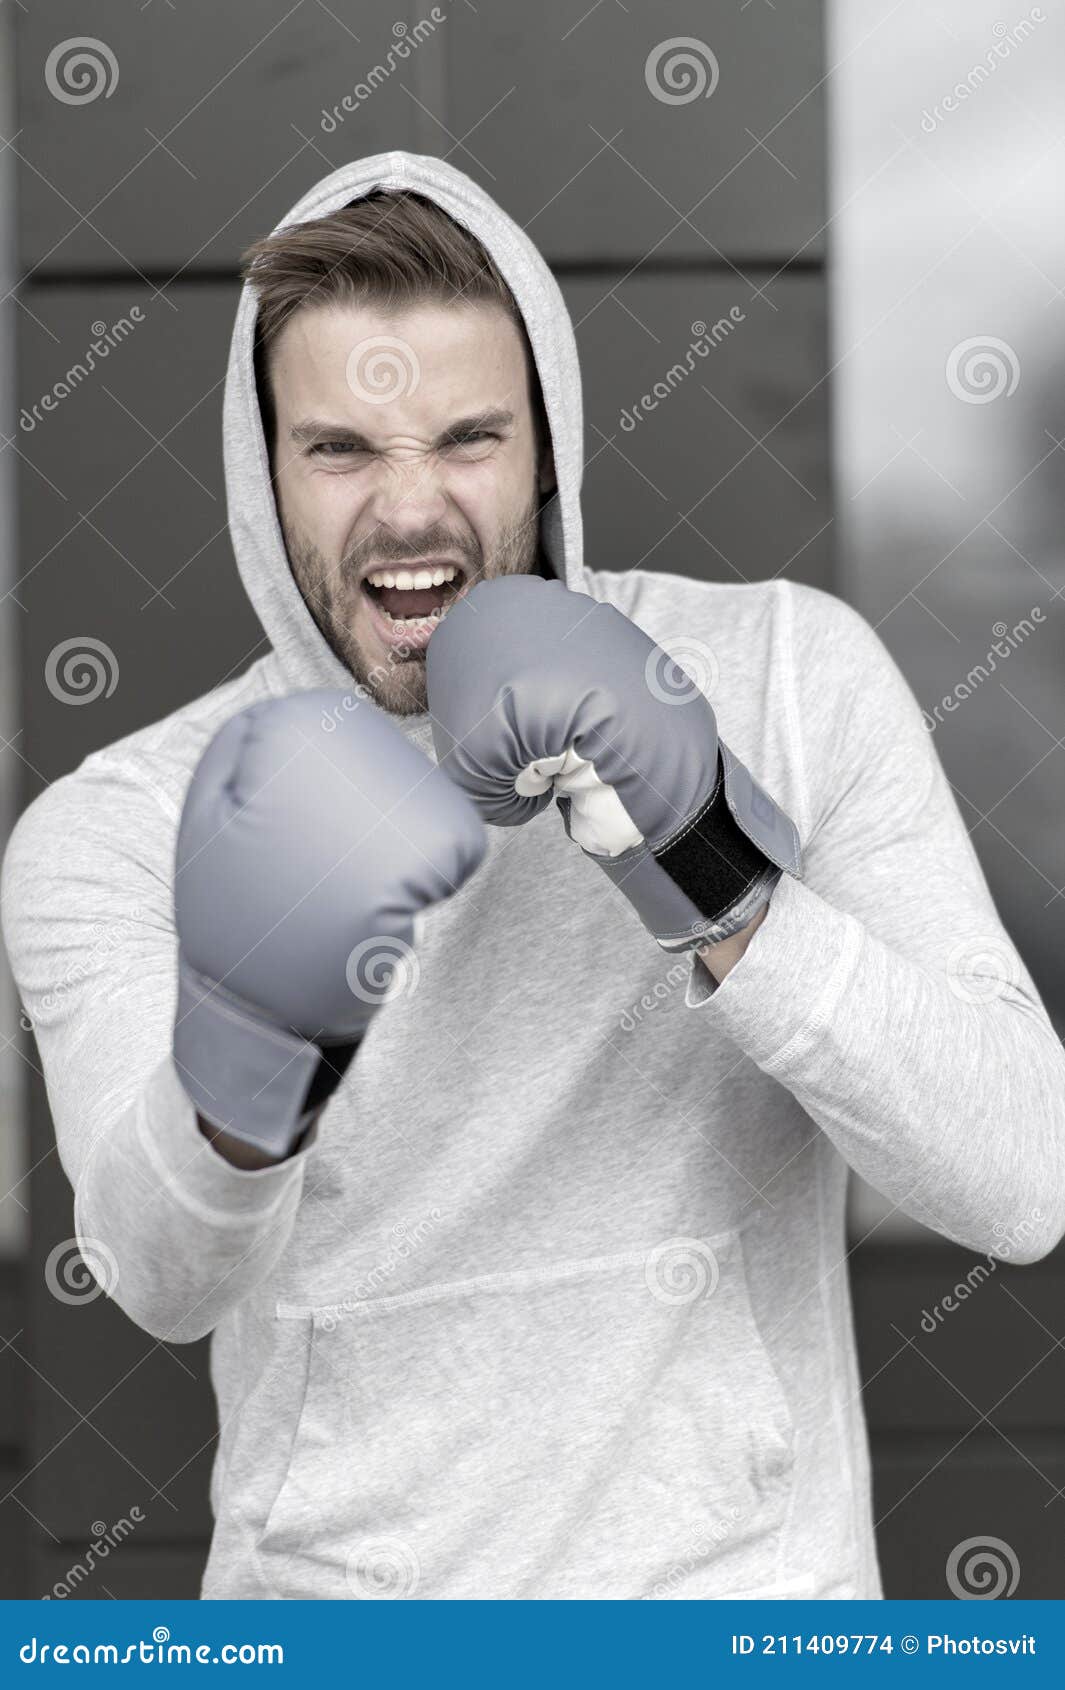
710, 879
254, 1079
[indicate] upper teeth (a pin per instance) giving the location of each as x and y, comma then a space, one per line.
404, 579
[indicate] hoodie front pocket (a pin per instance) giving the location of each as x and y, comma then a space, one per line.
610, 1427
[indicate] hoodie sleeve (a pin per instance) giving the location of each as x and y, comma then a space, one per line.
882, 989
175, 1233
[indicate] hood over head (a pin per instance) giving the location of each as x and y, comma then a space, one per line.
303, 657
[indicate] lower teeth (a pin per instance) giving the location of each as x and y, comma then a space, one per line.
412, 621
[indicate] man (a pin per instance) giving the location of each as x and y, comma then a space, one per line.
528, 1281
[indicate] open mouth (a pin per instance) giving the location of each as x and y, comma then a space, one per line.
409, 603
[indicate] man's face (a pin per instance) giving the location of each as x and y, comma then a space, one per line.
404, 471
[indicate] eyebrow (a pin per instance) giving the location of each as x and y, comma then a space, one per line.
313, 431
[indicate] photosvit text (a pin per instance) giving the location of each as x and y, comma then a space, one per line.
871, 1643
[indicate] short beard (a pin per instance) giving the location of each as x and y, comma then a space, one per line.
397, 682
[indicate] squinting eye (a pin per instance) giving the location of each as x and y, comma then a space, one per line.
343, 449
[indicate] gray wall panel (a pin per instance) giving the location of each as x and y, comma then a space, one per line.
123, 516
936, 1496
216, 119
212, 129
726, 477
555, 101
947, 1336
116, 1418
130, 1572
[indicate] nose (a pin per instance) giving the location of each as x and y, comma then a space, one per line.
409, 496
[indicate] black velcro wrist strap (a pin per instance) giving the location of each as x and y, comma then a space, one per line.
256, 1080
711, 859
334, 1064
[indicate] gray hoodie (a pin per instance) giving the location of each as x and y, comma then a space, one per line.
554, 1301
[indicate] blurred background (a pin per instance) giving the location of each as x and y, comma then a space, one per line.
864, 198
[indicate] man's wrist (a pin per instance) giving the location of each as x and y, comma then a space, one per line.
235, 1150
723, 957
244, 1155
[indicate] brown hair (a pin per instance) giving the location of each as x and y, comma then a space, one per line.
393, 250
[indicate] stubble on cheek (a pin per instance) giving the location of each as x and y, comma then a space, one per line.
395, 680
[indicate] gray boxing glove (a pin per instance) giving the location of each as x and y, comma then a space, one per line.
537, 691
312, 835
